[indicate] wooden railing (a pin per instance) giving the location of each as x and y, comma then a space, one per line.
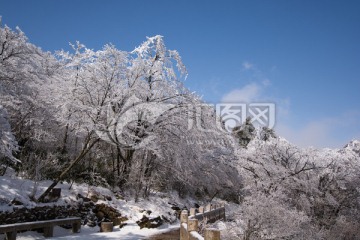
10, 230
189, 226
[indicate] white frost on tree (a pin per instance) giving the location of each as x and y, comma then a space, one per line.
8, 144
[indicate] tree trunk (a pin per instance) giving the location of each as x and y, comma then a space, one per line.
118, 155
127, 160
87, 147
63, 148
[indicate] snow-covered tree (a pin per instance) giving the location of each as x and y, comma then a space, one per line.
245, 133
8, 144
317, 184
134, 101
24, 69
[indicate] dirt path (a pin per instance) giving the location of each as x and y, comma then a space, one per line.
172, 235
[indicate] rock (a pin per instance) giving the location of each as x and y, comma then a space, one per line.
94, 198
165, 218
85, 199
118, 196
176, 208
109, 212
17, 202
91, 223
4, 201
119, 221
122, 225
90, 213
89, 204
143, 221
94, 195
146, 222
148, 212
90, 220
100, 215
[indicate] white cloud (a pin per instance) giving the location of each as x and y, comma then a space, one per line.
252, 91
331, 132
246, 94
247, 66
266, 82
324, 132
315, 134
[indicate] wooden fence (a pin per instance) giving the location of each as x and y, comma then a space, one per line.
189, 226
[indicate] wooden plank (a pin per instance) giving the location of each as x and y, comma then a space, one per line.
38, 224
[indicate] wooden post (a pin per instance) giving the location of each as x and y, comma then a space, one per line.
76, 227
49, 231
193, 225
192, 211
201, 209
208, 208
11, 235
184, 216
183, 221
212, 234
190, 226
106, 227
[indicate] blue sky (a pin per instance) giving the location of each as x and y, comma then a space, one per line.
302, 55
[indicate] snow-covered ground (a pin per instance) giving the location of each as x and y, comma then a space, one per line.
13, 187
129, 232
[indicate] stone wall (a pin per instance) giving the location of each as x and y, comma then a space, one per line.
23, 214
90, 213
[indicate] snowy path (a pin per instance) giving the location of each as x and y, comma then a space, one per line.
128, 232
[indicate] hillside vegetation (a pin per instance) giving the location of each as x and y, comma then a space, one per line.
124, 121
